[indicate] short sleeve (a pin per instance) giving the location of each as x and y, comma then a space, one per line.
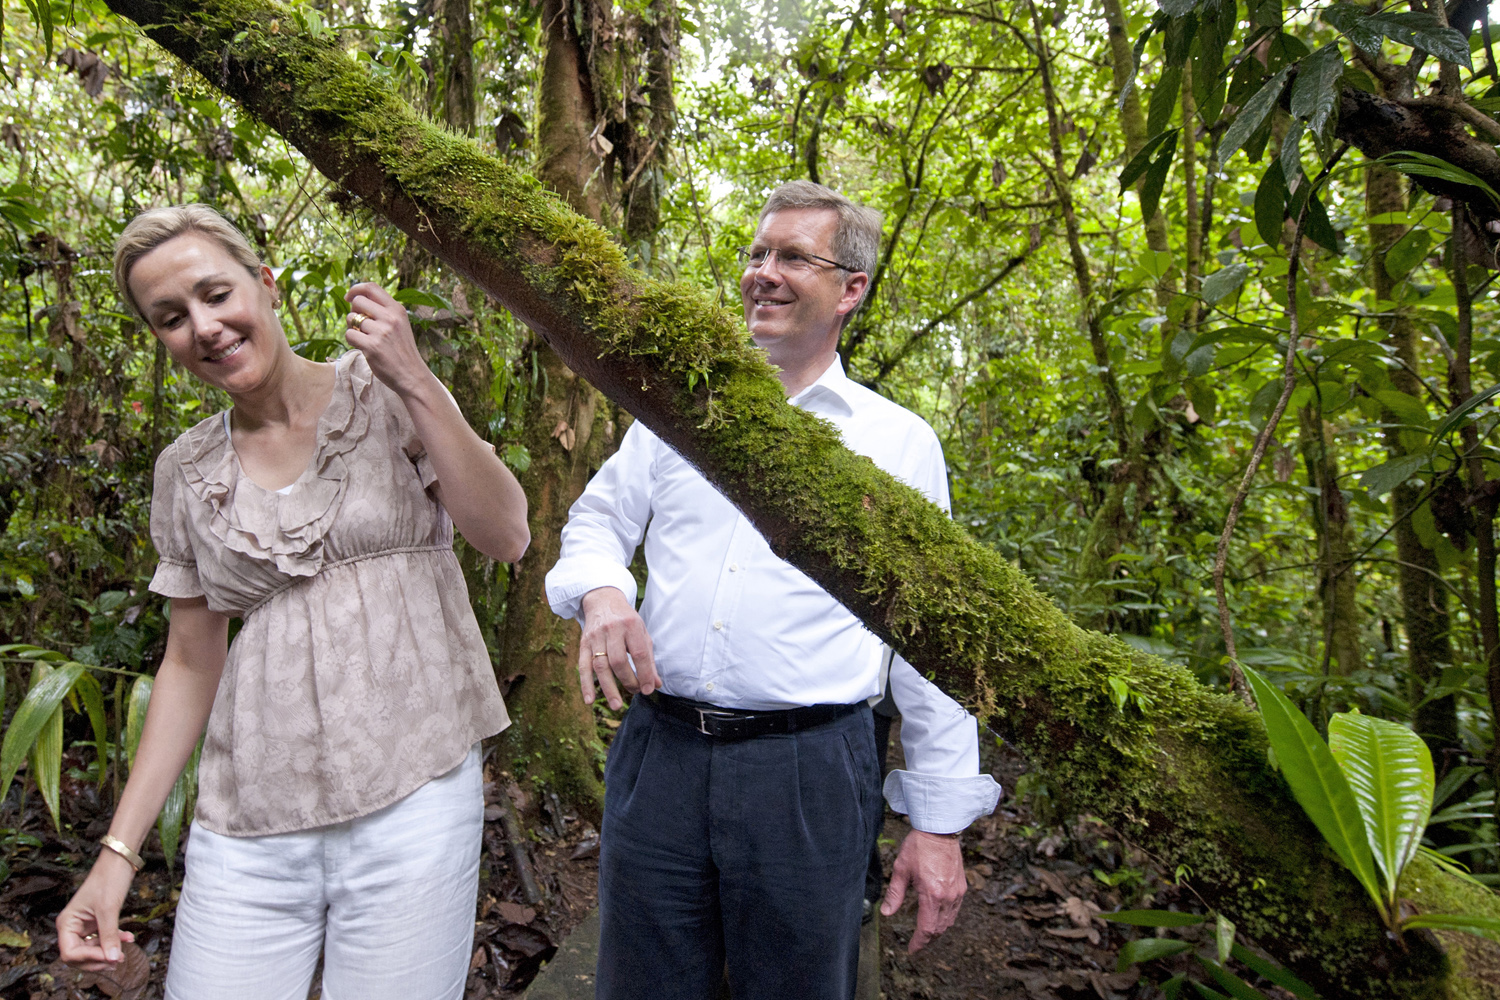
177, 569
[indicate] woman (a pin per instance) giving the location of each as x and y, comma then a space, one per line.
340, 806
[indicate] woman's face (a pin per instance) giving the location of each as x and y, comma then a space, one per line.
215, 319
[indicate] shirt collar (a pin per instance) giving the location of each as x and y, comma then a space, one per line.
833, 391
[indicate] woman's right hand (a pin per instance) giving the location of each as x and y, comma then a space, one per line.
88, 928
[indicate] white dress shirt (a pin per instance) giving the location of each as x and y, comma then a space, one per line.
736, 626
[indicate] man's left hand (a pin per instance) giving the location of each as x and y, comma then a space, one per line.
935, 864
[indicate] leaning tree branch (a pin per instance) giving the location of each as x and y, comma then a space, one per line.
1178, 768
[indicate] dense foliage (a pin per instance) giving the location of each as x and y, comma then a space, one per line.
1091, 215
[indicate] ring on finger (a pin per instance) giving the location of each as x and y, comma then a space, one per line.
357, 320
596, 655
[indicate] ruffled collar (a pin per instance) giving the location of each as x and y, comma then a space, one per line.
284, 529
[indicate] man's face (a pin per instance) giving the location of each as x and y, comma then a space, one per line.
797, 306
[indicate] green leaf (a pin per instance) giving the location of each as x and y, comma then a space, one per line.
1156, 178
1462, 410
1270, 204
93, 703
1255, 111
1223, 936
34, 712
1140, 161
1152, 918
174, 810
1315, 93
1488, 927
1412, 28
1164, 98
1274, 973
1224, 281
1386, 476
1149, 949
1408, 409
1426, 165
1390, 772
46, 754
135, 717
1237, 987
1407, 252
411, 297
1317, 783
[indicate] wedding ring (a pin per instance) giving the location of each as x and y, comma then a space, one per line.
357, 320
601, 654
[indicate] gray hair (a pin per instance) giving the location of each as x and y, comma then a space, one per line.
156, 226
856, 240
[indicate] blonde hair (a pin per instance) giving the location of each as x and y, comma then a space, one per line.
156, 226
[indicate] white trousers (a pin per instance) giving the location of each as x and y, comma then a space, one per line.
388, 899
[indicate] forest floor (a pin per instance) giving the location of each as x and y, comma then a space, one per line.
1027, 928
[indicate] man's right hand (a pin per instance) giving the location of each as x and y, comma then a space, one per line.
613, 637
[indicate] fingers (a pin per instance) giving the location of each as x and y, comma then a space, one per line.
109, 936
616, 650
935, 914
638, 645
895, 892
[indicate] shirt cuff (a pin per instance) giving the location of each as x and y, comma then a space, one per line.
575, 576
940, 803
173, 579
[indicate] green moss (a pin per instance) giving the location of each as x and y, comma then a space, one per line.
1182, 772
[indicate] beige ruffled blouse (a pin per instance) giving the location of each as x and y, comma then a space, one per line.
360, 672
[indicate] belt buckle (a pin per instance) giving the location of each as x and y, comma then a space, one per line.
704, 714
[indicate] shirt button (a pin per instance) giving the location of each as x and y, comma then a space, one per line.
718, 626
709, 685
734, 567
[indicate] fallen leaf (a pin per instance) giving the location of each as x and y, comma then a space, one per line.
1081, 912
588, 847
527, 941
516, 913
492, 812
976, 880
479, 959
1073, 933
1052, 881
12, 938
126, 981
27, 886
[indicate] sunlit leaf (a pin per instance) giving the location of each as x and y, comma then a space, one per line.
1407, 252
1317, 783
1386, 476
1390, 772
46, 695
1488, 927
46, 754
135, 717
1153, 918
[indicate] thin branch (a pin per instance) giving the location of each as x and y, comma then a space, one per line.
1288, 383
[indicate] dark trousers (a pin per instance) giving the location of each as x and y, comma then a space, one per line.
749, 853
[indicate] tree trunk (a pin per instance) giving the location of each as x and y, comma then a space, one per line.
1336, 577
553, 739
1424, 600
1182, 770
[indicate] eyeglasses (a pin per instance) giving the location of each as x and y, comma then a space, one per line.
790, 260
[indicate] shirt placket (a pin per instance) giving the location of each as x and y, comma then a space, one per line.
718, 677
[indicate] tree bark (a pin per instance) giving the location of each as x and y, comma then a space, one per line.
1336, 579
1424, 600
1182, 770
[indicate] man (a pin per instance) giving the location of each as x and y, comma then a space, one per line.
742, 790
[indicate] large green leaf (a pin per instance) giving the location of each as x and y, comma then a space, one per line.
1236, 987
1224, 281
1427, 165
174, 812
1270, 204
1483, 926
46, 694
1407, 252
1317, 783
1390, 772
1417, 29
46, 754
1315, 94
93, 703
1463, 410
1274, 973
1386, 476
1152, 918
135, 717
1146, 949
1255, 111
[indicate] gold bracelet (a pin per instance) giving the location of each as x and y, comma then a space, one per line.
118, 846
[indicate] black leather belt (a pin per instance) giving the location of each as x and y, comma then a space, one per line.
737, 724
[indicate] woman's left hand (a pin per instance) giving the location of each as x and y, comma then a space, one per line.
379, 326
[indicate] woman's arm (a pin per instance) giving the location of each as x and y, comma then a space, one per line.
88, 927
486, 503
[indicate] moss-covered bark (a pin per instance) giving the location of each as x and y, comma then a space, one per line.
1182, 770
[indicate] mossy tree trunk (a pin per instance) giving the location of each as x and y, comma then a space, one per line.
1181, 770
1336, 578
